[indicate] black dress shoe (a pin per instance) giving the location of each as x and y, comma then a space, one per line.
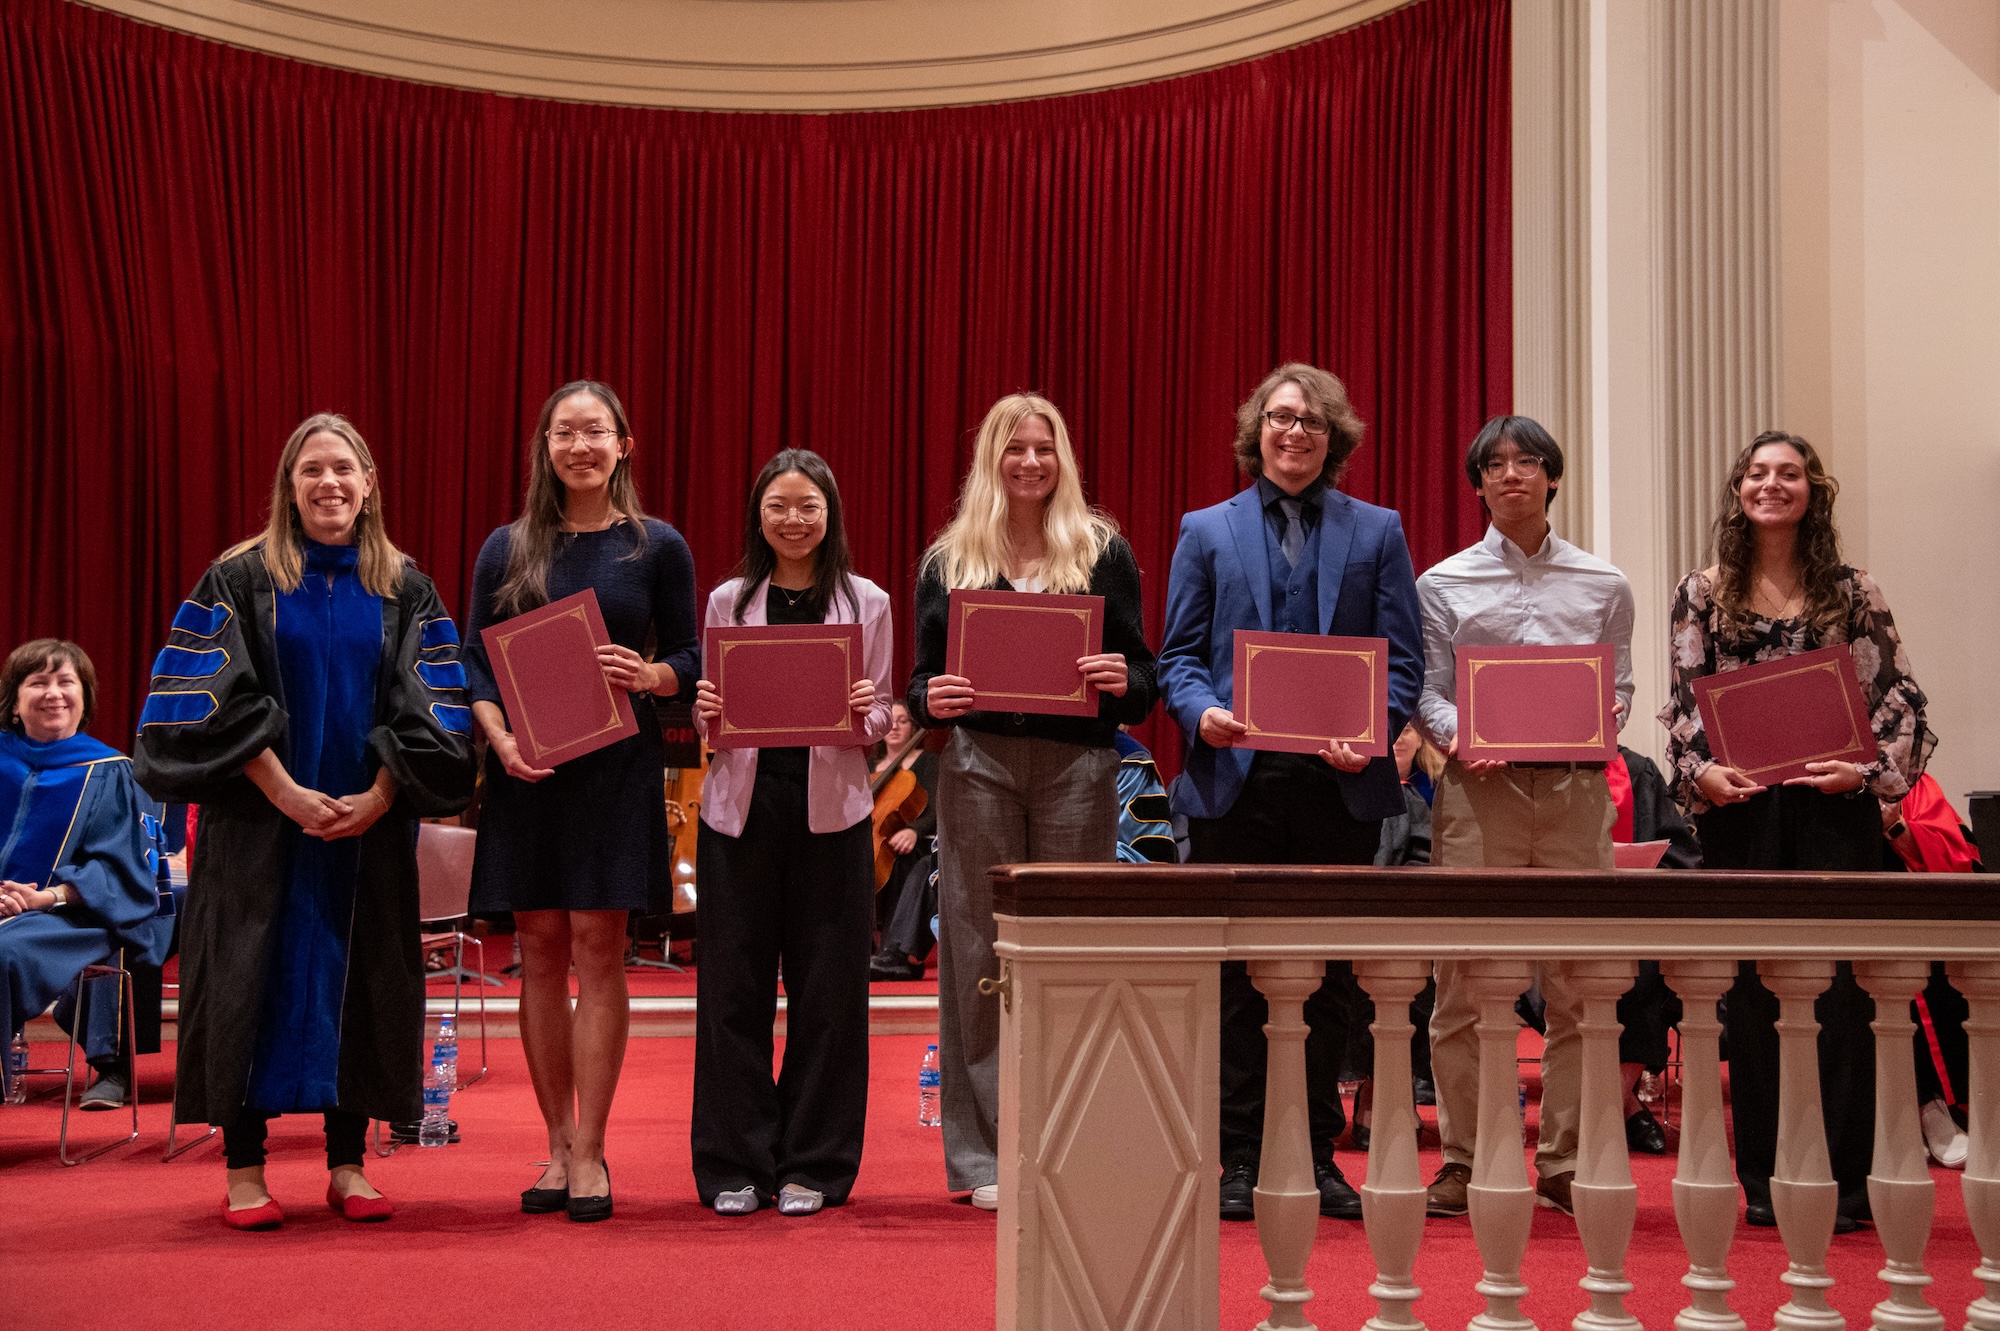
585, 1210
1423, 1092
889, 966
1239, 1192
1760, 1214
1643, 1134
1336, 1198
1359, 1135
543, 1201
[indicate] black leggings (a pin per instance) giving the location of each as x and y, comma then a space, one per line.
243, 1140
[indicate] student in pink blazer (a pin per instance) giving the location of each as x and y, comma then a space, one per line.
785, 867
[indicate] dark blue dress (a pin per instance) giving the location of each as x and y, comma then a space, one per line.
593, 836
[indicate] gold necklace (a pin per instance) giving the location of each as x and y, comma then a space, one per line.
1757, 603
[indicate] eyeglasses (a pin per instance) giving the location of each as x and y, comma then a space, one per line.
809, 513
1526, 463
1282, 421
562, 436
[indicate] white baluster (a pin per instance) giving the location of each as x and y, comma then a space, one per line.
1606, 1199
1392, 1200
1900, 1192
1287, 1194
1979, 981
1704, 1180
1803, 1193
1500, 1202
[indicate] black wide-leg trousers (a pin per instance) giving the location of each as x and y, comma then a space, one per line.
781, 894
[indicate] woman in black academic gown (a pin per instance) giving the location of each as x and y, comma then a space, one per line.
310, 699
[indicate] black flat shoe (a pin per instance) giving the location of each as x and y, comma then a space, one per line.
1760, 1215
544, 1201
1643, 1133
586, 1210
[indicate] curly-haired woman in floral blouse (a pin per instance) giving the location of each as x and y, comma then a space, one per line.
1778, 588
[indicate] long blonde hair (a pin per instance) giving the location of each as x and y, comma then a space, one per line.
283, 538
972, 549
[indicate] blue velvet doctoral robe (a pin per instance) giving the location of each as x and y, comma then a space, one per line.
71, 813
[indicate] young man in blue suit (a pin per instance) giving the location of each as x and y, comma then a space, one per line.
1290, 554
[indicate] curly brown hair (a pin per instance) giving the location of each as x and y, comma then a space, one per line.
1820, 566
1325, 395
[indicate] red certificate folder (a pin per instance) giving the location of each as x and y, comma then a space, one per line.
1299, 692
785, 685
1537, 704
1020, 649
1768, 721
559, 704
1637, 854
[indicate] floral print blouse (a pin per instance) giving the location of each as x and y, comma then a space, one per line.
1895, 703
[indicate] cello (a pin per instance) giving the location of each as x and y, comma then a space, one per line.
899, 802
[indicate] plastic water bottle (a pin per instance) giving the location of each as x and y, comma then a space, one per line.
17, 1070
439, 1083
927, 1091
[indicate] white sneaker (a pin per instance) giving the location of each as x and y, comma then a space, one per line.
987, 1196
742, 1201
1942, 1135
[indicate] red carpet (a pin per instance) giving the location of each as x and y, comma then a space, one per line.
137, 1243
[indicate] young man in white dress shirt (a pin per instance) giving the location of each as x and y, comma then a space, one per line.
1522, 585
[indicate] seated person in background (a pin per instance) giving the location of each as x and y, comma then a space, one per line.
907, 840
1145, 823
1646, 812
80, 875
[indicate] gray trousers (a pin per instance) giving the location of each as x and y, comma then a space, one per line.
1001, 800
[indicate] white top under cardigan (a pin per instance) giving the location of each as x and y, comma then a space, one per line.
836, 777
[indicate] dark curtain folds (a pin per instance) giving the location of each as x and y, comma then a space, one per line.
200, 245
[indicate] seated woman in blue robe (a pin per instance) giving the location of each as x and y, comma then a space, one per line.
310, 700
78, 880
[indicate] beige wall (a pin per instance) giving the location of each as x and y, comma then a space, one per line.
1890, 345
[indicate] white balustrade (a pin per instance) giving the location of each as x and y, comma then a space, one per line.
1109, 1081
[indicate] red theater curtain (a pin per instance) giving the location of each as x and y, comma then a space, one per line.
200, 245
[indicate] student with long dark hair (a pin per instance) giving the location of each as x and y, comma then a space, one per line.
786, 866
1779, 587
571, 851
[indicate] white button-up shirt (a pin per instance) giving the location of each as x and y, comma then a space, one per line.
1493, 595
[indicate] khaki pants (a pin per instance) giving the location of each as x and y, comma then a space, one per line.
1515, 818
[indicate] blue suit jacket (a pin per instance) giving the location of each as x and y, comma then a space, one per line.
1221, 582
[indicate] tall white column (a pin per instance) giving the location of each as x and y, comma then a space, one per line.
1392, 1200
1900, 1192
1979, 981
1607, 1201
1803, 1193
1500, 1201
1287, 1194
1705, 1195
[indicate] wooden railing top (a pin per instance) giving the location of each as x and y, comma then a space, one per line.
1167, 891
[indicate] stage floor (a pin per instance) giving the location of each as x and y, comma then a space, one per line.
137, 1244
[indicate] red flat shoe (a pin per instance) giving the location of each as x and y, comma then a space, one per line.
267, 1216
356, 1207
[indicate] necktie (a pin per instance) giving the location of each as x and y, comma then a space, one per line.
1293, 543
